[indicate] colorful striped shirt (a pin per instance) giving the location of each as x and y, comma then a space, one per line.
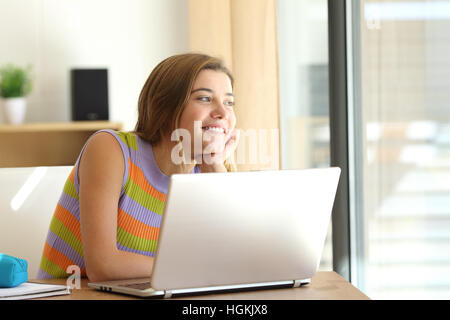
139, 214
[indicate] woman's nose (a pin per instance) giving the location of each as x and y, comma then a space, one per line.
220, 111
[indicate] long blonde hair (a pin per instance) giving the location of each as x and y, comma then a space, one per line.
167, 91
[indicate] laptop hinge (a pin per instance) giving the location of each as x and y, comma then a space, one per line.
297, 283
167, 294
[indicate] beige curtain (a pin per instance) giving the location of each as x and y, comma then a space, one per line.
244, 34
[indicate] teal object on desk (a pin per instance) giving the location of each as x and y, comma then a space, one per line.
13, 271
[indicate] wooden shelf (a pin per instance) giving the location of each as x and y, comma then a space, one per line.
47, 144
61, 126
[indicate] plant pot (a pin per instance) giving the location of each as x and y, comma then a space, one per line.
14, 109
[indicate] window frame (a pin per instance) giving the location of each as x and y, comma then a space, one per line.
346, 136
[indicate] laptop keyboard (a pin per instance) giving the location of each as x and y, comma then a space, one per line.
138, 286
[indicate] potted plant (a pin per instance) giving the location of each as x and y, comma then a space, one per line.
15, 85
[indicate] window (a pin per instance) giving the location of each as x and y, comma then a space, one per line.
303, 67
405, 149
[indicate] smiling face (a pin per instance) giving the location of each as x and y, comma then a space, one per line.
211, 103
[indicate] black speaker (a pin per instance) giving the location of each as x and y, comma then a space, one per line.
89, 94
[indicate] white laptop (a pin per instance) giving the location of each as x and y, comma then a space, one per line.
238, 231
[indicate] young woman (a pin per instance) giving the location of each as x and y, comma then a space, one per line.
108, 217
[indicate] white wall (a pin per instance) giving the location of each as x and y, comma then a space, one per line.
127, 37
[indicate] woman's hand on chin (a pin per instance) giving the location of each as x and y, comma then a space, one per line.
213, 160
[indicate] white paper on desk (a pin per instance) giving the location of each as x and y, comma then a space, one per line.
29, 290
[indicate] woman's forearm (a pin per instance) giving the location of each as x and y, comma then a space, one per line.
120, 265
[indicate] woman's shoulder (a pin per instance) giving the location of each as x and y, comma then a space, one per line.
108, 138
106, 154
103, 147
104, 139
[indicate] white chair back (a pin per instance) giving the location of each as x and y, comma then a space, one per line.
27, 202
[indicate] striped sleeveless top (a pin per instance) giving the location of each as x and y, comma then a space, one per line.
139, 214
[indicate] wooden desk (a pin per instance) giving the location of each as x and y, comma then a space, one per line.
324, 286
46, 144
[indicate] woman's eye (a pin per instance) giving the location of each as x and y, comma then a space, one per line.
229, 103
205, 99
